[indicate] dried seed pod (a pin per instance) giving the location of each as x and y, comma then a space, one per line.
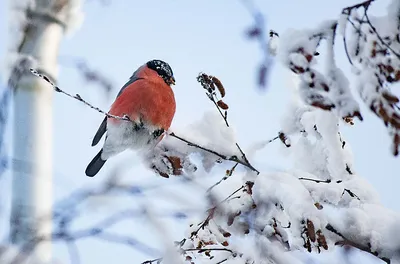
222, 105
308, 57
390, 68
219, 85
319, 206
310, 230
321, 240
322, 105
397, 75
226, 234
285, 140
176, 164
348, 120
325, 87
390, 97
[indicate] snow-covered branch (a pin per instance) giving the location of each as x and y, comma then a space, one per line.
372, 46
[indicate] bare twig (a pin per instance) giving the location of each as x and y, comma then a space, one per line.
224, 157
77, 97
377, 34
319, 181
157, 260
227, 175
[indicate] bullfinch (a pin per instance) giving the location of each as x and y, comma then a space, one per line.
149, 102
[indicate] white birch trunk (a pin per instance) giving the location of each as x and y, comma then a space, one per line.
31, 212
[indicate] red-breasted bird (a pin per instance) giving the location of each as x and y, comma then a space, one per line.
149, 102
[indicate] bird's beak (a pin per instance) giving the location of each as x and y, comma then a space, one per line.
172, 80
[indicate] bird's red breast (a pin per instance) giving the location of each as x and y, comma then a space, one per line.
149, 97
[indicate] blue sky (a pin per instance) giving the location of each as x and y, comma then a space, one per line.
192, 36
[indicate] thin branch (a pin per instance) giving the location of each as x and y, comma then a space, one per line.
228, 174
207, 249
77, 97
377, 34
353, 195
224, 157
362, 4
346, 49
319, 181
224, 116
158, 260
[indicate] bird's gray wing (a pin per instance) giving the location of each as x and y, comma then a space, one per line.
103, 126
131, 80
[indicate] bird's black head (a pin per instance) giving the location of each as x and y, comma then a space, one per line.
163, 69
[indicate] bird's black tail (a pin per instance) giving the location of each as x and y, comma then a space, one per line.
95, 165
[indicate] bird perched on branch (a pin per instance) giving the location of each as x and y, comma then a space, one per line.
148, 101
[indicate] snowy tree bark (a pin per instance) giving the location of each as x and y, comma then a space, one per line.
31, 212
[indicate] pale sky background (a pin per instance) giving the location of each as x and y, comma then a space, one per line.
192, 36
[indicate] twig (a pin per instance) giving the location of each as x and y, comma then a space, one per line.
211, 211
228, 174
232, 194
319, 181
346, 49
362, 4
201, 250
158, 260
377, 34
224, 157
77, 97
224, 116
351, 194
